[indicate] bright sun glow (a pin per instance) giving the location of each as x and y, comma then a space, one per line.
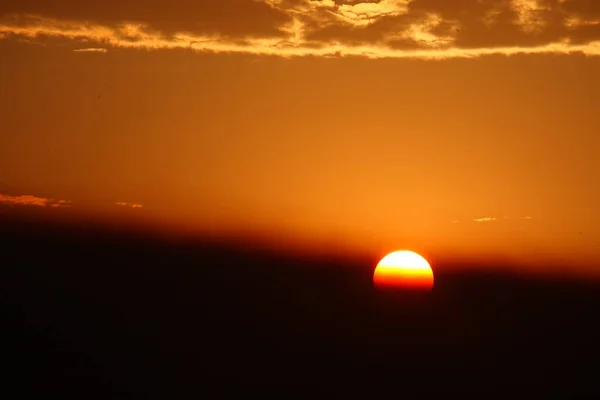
403, 270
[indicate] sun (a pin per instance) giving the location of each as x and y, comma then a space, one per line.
403, 270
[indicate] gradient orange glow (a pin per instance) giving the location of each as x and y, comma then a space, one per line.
323, 126
403, 270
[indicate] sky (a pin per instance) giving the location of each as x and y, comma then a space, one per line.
459, 129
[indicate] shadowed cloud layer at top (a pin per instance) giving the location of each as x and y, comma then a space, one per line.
227, 17
384, 28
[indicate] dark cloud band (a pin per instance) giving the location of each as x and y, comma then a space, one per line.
384, 28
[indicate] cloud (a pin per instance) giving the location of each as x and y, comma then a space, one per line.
485, 219
130, 205
29, 200
581, 8
91, 50
232, 18
422, 29
365, 13
60, 204
489, 219
531, 14
23, 200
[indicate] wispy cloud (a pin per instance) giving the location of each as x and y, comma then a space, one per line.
29, 200
490, 219
25, 200
531, 14
130, 205
485, 219
60, 203
91, 50
421, 29
365, 13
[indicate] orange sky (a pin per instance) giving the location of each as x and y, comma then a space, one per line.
457, 128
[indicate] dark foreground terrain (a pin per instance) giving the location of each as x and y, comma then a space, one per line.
98, 314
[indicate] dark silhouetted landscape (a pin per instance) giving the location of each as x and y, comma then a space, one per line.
97, 312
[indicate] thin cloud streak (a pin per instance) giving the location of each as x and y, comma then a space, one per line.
60, 204
485, 219
489, 219
130, 205
135, 36
91, 50
29, 200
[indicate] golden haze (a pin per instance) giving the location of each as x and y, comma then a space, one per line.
467, 135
